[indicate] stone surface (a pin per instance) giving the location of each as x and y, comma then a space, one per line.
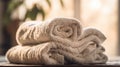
113, 62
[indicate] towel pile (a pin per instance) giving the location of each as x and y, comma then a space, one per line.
57, 41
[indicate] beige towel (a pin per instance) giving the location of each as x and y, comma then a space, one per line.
45, 53
52, 53
57, 41
58, 29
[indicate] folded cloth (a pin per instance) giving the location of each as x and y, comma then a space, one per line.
57, 41
45, 53
52, 53
89, 47
58, 29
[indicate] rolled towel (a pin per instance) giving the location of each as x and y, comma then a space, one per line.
45, 53
52, 53
57, 29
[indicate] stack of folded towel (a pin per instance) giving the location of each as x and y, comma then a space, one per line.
57, 41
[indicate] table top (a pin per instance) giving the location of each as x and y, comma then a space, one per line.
112, 62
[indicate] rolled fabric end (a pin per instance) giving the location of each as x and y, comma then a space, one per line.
32, 32
57, 29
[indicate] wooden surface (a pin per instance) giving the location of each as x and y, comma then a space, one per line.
113, 62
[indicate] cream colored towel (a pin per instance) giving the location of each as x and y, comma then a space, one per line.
52, 53
57, 41
45, 53
58, 29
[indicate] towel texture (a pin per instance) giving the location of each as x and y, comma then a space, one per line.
58, 29
57, 41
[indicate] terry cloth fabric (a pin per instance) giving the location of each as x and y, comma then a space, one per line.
57, 41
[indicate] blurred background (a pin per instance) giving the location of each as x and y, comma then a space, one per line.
100, 14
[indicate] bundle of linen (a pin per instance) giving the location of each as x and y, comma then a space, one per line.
57, 41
